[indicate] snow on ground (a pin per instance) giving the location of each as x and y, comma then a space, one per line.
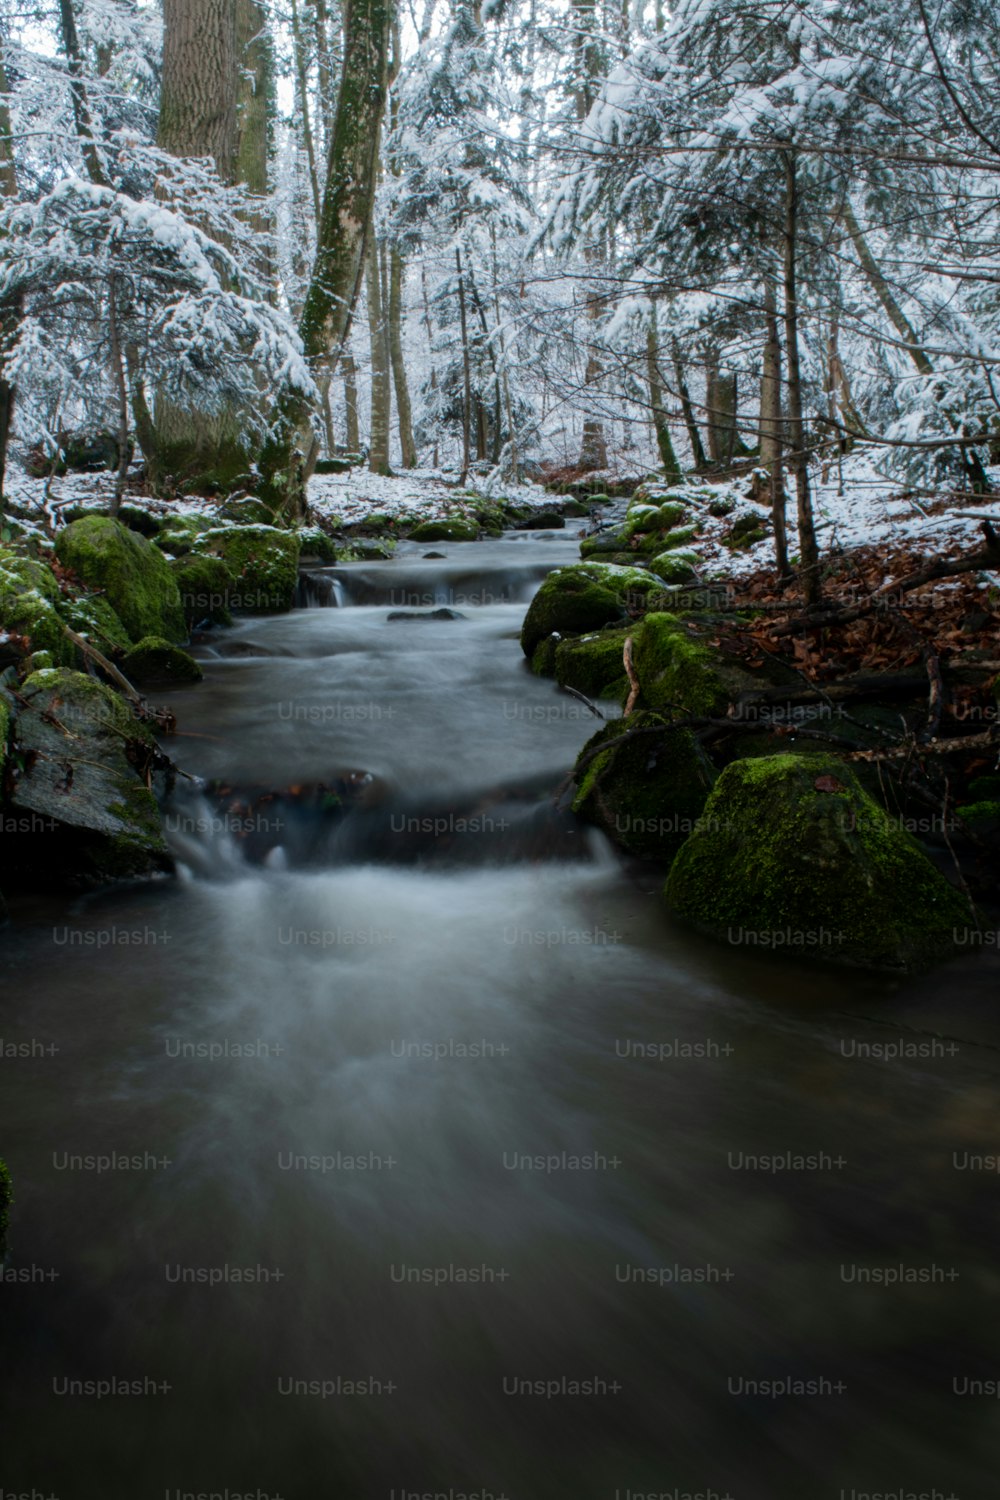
854, 506
424, 494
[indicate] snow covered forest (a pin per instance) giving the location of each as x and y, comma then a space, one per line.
503, 238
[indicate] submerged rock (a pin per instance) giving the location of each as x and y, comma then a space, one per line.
426, 614
649, 793
80, 749
793, 855
582, 598
132, 573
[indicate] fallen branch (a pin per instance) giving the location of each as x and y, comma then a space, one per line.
105, 665
632, 677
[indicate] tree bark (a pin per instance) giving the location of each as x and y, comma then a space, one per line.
664, 442
403, 408
78, 94
8, 314
588, 68
687, 408
351, 432
466, 371
771, 427
288, 458
381, 387
798, 458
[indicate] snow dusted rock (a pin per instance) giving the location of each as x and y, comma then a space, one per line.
78, 746
574, 600
264, 561
134, 575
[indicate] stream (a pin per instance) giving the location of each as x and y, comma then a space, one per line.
427, 1156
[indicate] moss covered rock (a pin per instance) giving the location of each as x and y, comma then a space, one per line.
793, 855
81, 753
154, 662
582, 598
91, 615
29, 605
647, 794
445, 531
264, 562
133, 574
676, 567
205, 584
180, 535
679, 670
315, 543
591, 663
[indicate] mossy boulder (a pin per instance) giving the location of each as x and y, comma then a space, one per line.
264, 562
315, 543
82, 755
582, 598
445, 531
982, 819
592, 664
678, 538
680, 670
648, 793
676, 567
91, 615
205, 584
614, 540
155, 663
29, 605
793, 855
132, 573
180, 535
5, 718
245, 511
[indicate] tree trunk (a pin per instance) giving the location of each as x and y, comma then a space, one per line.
466, 371
588, 66
9, 314
378, 451
430, 349
302, 92
289, 456
771, 427
351, 432
664, 443
198, 117
78, 94
687, 408
121, 388
254, 102
798, 458
403, 408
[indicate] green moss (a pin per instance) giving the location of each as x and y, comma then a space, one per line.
264, 562
133, 574
678, 538
29, 605
205, 584
154, 662
984, 788
445, 531
649, 793
981, 818
543, 659
679, 671
91, 615
582, 598
180, 535
675, 567
4, 733
245, 512
316, 543
794, 855
592, 664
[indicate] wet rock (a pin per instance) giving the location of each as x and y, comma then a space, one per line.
132, 573
434, 556
445, 531
82, 755
592, 664
543, 520
648, 794
426, 614
793, 855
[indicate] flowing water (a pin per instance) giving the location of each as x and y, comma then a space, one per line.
443, 1161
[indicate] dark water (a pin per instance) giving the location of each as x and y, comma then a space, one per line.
475, 1117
